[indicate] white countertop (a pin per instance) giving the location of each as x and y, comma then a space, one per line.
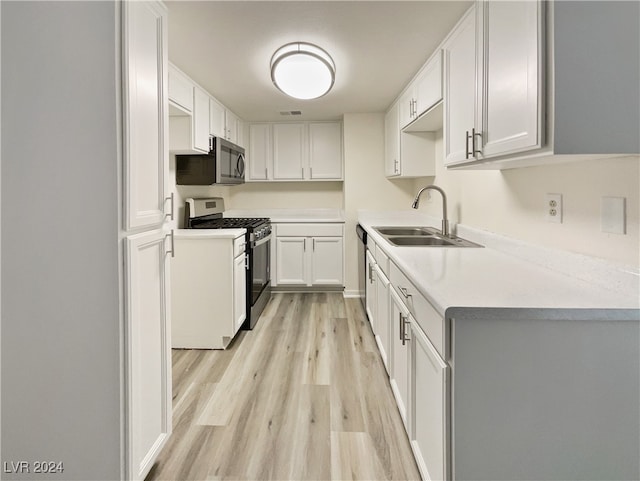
291, 215
209, 233
486, 277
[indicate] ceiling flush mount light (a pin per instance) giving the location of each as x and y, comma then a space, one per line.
302, 70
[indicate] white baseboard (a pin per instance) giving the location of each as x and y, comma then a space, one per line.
352, 293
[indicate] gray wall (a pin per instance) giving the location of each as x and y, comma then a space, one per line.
60, 285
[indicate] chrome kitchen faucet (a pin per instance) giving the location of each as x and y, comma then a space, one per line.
445, 222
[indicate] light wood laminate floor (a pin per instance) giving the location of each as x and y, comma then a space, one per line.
304, 396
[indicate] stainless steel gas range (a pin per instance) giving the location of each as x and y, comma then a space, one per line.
208, 213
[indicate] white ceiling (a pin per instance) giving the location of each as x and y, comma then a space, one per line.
377, 46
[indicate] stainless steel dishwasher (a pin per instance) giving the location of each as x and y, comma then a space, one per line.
362, 264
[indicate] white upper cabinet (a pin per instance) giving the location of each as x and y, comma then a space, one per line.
200, 120
428, 85
145, 145
392, 142
217, 125
423, 93
325, 150
543, 89
260, 152
180, 89
510, 93
289, 151
499, 113
295, 151
460, 89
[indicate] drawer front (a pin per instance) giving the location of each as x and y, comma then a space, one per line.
423, 312
309, 230
382, 260
239, 245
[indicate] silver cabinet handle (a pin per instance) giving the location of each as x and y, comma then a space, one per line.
405, 338
466, 145
313, 244
266, 174
173, 250
303, 172
474, 135
370, 273
404, 292
246, 262
401, 325
171, 199
304, 245
311, 172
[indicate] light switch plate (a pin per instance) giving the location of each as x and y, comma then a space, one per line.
613, 215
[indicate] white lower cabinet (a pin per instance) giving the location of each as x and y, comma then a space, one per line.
208, 288
382, 325
400, 375
291, 254
309, 255
239, 290
370, 291
147, 349
429, 406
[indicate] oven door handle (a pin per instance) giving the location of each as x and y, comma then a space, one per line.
257, 243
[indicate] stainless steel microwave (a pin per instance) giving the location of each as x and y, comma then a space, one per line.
224, 164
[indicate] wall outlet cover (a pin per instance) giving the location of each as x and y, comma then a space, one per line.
553, 208
613, 215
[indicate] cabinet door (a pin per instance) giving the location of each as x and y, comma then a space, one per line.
392, 142
291, 258
148, 349
382, 315
429, 85
146, 156
200, 120
429, 402
326, 261
406, 107
260, 153
370, 290
239, 291
180, 89
400, 356
216, 119
459, 89
231, 123
288, 151
510, 88
325, 150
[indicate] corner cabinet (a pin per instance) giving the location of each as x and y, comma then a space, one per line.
146, 240
294, 151
309, 255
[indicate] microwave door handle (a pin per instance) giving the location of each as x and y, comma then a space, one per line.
240, 166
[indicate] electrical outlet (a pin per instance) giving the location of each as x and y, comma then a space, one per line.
554, 208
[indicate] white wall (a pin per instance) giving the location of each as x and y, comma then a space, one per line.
61, 383
512, 203
365, 185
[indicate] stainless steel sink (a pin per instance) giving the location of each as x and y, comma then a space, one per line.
420, 241
421, 237
406, 231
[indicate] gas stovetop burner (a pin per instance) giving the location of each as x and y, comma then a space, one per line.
229, 223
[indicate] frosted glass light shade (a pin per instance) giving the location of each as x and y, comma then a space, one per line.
302, 70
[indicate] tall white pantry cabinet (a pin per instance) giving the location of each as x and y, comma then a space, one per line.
148, 244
